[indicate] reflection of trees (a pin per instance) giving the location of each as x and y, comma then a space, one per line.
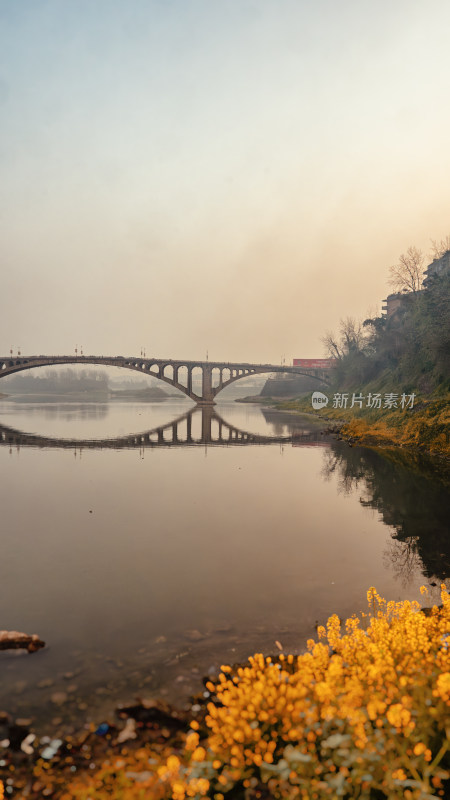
283, 422
348, 469
403, 557
411, 495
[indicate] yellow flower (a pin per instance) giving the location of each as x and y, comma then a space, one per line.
199, 754
443, 686
362, 678
398, 715
178, 789
192, 740
399, 774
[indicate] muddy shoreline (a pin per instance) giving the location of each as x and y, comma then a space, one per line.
81, 728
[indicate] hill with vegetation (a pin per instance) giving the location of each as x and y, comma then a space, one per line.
391, 382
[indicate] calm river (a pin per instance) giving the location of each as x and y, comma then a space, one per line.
147, 562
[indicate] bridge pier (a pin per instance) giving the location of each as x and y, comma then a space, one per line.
206, 424
208, 393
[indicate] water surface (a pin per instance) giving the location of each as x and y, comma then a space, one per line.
148, 560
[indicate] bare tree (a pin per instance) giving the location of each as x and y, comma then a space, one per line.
406, 276
350, 339
332, 346
439, 248
351, 334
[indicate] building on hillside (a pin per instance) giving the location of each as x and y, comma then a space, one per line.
437, 267
394, 302
397, 301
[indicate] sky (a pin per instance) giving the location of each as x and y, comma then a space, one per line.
229, 177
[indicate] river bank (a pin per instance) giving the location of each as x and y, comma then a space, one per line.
425, 427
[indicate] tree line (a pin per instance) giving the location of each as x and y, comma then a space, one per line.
59, 381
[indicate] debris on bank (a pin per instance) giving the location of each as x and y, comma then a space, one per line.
15, 640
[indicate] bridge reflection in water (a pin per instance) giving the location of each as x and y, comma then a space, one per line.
209, 429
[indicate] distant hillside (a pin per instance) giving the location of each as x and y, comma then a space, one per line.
65, 381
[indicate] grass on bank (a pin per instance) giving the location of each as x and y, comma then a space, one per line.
426, 426
364, 713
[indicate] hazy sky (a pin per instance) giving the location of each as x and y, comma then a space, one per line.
224, 175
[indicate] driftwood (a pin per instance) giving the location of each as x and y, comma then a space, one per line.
14, 640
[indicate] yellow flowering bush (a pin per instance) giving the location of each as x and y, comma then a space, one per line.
364, 713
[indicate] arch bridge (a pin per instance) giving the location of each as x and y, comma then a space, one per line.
215, 375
